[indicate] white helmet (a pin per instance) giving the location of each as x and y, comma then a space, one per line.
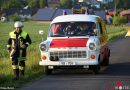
18, 24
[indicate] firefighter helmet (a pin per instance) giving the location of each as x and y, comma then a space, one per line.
18, 24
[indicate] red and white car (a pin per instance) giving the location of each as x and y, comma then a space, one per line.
68, 45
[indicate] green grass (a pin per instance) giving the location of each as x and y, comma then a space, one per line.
33, 70
114, 32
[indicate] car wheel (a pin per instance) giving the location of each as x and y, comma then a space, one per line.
96, 69
47, 71
105, 62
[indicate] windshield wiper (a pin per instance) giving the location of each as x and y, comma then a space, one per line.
85, 34
81, 35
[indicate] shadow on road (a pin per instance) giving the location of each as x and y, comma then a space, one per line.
116, 69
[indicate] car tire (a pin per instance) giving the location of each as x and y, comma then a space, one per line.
105, 62
96, 69
47, 71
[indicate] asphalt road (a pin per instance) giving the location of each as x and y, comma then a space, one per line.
116, 75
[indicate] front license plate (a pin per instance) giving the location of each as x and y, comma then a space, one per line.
67, 63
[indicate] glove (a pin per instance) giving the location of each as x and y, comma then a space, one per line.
21, 38
24, 46
9, 49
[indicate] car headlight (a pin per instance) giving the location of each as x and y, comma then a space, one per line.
43, 47
92, 46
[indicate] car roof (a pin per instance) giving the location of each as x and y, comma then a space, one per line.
75, 18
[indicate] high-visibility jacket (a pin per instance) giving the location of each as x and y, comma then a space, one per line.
16, 42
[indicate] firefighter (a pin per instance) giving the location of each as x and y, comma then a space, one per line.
18, 42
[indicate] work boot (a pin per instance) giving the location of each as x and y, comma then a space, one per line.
21, 72
16, 74
15, 78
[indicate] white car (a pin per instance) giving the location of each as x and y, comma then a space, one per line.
76, 40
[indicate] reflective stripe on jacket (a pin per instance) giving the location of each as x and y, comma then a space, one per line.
13, 35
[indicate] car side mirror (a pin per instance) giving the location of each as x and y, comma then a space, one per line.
41, 32
95, 31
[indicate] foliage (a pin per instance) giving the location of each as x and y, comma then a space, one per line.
33, 3
37, 3
117, 20
115, 32
121, 4
14, 17
33, 56
25, 19
108, 6
6, 4
66, 3
42, 3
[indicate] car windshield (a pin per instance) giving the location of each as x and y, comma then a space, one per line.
72, 29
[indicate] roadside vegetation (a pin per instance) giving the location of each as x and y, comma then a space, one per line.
33, 70
115, 32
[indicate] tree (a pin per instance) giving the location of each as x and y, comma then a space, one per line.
117, 20
118, 4
66, 3
74, 2
122, 4
33, 3
14, 17
6, 4
42, 3
37, 3
14, 4
126, 4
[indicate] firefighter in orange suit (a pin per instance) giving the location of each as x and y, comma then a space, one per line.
18, 42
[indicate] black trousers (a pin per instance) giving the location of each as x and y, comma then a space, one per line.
18, 66
18, 61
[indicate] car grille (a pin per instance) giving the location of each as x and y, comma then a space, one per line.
69, 54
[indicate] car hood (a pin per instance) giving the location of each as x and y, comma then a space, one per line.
68, 42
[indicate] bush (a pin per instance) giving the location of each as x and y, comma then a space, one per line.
117, 20
25, 19
14, 17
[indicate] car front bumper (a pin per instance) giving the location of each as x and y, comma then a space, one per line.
68, 63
